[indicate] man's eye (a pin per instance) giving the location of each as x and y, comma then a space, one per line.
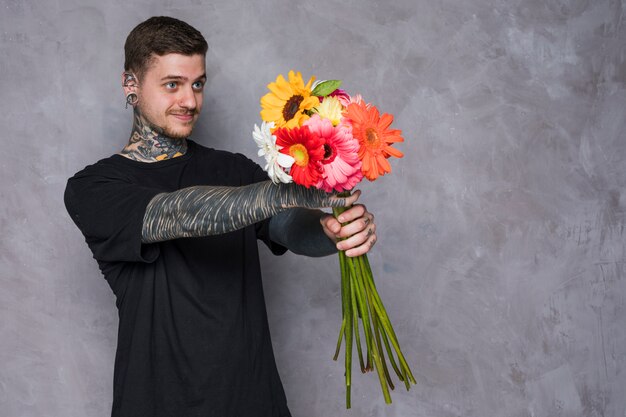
170, 85
198, 85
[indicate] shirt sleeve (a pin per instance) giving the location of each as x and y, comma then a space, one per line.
109, 211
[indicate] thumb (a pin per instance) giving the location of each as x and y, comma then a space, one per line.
353, 198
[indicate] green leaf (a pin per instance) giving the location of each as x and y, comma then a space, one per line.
326, 87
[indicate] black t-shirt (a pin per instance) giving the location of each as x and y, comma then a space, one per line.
193, 336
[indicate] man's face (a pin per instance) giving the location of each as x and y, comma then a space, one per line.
170, 93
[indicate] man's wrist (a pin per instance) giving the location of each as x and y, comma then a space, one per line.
300, 231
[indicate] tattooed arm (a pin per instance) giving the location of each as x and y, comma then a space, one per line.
211, 210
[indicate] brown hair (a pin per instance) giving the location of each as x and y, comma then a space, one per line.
160, 35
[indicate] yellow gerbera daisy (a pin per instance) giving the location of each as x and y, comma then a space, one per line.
286, 102
330, 109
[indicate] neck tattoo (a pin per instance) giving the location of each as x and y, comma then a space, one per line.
150, 144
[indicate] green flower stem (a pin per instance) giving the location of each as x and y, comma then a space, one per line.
392, 336
367, 305
356, 329
366, 309
362, 303
341, 331
407, 384
360, 299
383, 317
377, 354
399, 373
379, 345
348, 331
389, 329
345, 295
378, 361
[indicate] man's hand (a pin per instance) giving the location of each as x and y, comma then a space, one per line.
359, 230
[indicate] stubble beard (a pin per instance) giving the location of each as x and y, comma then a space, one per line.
190, 124
165, 130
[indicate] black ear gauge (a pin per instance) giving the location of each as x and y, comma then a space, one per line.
132, 99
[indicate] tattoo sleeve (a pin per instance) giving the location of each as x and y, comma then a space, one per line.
300, 231
211, 210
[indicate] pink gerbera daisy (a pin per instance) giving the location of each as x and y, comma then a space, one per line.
341, 164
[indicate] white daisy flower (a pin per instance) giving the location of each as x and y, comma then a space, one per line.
277, 163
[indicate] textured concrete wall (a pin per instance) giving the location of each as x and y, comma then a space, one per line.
501, 252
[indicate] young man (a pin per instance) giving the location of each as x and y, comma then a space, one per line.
173, 226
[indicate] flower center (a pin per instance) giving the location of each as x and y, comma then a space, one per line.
291, 107
372, 136
329, 154
300, 154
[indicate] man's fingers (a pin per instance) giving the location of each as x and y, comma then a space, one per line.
329, 222
352, 213
357, 239
356, 226
365, 247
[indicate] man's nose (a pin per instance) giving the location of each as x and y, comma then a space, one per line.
187, 99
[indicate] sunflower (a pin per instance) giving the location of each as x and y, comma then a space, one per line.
307, 149
374, 136
286, 103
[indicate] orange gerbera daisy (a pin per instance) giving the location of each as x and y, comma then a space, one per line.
374, 136
286, 102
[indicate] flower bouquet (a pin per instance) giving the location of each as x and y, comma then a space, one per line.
317, 135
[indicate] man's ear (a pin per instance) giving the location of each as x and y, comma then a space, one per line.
129, 83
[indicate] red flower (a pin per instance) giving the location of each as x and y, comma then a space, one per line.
307, 149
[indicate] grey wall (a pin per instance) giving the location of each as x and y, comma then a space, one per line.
501, 252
